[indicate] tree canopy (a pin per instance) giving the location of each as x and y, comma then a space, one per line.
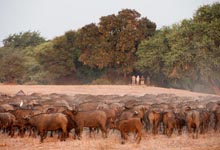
185, 54
23, 39
113, 42
13, 55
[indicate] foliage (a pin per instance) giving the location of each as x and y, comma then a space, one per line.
87, 74
22, 40
101, 81
56, 57
151, 55
12, 67
18, 55
114, 41
185, 54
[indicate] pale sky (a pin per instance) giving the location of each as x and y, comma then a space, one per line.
54, 17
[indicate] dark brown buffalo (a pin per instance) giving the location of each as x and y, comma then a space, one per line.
117, 106
132, 125
88, 106
132, 113
174, 122
56, 109
1, 110
140, 114
110, 114
204, 120
7, 121
72, 125
152, 120
48, 122
193, 121
7, 107
170, 125
126, 114
180, 123
167, 116
19, 115
91, 119
212, 106
217, 119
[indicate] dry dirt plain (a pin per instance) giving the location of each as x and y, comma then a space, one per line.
94, 90
209, 141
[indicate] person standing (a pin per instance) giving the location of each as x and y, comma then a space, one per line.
138, 80
142, 80
148, 80
133, 78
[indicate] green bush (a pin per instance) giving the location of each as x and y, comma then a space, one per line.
101, 81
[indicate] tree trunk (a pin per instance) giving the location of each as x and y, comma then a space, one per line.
214, 87
125, 76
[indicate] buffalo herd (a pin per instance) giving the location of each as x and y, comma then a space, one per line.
68, 116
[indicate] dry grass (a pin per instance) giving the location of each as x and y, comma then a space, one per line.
209, 141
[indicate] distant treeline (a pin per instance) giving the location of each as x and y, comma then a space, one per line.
185, 55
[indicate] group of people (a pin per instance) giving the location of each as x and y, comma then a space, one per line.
137, 80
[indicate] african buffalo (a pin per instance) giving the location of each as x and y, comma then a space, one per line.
7, 121
19, 115
168, 117
133, 125
193, 122
48, 122
91, 119
152, 119
217, 119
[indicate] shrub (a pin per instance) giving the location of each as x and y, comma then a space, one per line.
101, 81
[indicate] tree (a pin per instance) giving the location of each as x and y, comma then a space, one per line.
56, 56
92, 52
11, 66
186, 54
16, 54
207, 20
114, 41
151, 53
23, 40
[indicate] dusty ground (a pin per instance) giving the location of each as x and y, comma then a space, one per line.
94, 90
209, 141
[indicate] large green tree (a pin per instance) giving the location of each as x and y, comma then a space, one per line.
151, 53
15, 59
57, 56
113, 42
185, 54
11, 66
